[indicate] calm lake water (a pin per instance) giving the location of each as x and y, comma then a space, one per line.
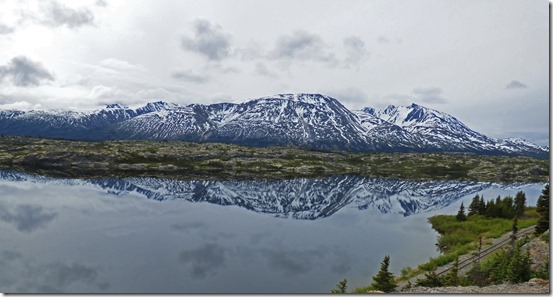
140, 235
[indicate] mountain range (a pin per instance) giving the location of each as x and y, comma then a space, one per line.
313, 121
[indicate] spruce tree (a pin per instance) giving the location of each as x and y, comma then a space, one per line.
430, 280
384, 280
341, 287
519, 270
520, 204
543, 211
474, 207
461, 214
482, 207
451, 278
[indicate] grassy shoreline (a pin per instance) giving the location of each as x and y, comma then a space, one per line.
462, 237
181, 160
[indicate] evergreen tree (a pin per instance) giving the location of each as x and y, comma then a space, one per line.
341, 287
507, 208
498, 270
461, 214
430, 280
490, 209
543, 211
474, 207
520, 204
451, 278
482, 207
384, 280
519, 268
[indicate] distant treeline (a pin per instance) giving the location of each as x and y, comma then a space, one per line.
506, 208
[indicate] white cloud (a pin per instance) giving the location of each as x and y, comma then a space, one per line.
121, 65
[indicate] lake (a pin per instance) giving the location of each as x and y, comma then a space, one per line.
147, 235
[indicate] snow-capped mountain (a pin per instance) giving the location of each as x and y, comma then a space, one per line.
309, 120
302, 198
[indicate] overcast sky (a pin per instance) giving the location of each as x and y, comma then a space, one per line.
483, 61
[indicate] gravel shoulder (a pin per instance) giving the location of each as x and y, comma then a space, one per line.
534, 286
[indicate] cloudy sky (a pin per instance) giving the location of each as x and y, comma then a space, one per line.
483, 61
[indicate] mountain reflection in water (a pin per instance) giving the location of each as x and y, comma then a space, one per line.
302, 198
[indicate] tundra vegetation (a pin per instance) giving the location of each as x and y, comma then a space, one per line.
179, 159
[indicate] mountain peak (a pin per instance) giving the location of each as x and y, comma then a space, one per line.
115, 106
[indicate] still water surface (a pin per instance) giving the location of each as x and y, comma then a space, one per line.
163, 236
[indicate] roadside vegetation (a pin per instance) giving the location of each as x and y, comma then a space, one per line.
465, 233
179, 159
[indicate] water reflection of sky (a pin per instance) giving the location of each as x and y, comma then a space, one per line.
78, 238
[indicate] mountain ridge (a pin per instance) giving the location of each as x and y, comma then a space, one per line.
314, 121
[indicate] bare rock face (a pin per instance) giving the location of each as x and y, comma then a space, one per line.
539, 253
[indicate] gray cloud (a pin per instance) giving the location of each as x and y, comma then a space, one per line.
59, 275
189, 226
515, 84
101, 3
58, 15
429, 95
292, 262
24, 72
383, 39
189, 76
261, 69
204, 260
56, 277
4, 29
350, 96
355, 50
302, 46
26, 218
209, 40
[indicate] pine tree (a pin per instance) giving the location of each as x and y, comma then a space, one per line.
474, 207
384, 280
341, 287
543, 211
520, 204
461, 214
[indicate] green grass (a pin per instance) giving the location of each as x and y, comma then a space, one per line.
462, 237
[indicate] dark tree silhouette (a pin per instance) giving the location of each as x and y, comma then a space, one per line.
461, 214
543, 211
384, 280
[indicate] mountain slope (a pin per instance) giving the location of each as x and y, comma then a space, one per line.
443, 132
